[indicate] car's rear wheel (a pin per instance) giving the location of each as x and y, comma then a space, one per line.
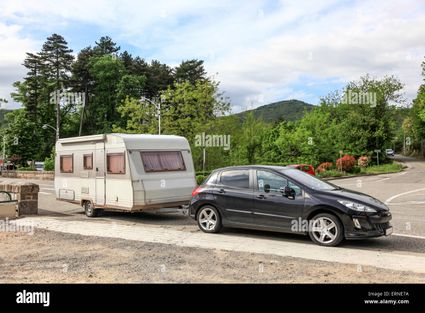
326, 230
209, 220
90, 210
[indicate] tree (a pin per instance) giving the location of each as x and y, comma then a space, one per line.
379, 115
127, 60
249, 141
191, 71
139, 117
22, 138
159, 77
107, 72
185, 107
4, 101
57, 60
105, 46
83, 81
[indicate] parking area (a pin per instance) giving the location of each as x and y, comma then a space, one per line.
68, 246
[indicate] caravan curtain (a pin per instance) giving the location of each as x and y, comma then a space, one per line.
66, 164
115, 163
163, 161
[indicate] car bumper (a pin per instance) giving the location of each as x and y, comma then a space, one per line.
370, 226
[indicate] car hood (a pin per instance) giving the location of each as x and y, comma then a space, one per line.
351, 195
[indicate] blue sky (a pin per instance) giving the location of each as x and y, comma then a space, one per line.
260, 51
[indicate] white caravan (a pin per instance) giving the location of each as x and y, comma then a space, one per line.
124, 172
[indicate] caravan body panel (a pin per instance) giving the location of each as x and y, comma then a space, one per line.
111, 172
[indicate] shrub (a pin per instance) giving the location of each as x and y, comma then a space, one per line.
346, 163
325, 166
330, 173
49, 163
200, 179
356, 170
363, 161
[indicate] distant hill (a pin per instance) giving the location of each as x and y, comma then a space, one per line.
288, 110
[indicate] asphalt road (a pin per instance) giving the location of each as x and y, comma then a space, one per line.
404, 193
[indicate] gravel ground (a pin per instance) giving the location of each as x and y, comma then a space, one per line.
51, 257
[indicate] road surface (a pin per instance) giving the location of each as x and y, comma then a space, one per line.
403, 251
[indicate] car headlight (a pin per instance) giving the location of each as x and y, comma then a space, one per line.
357, 206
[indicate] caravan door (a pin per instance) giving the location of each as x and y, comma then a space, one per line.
100, 173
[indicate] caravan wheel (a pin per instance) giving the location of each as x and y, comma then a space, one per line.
89, 209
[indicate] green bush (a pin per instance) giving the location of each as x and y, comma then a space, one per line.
200, 179
202, 173
330, 173
356, 170
49, 163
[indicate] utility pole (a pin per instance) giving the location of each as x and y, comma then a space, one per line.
158, 111
404, 143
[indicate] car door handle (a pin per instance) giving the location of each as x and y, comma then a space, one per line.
261, 197
221, 190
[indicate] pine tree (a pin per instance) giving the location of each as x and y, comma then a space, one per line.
106, 46
57, 60
83, 81
191, 71
34, 84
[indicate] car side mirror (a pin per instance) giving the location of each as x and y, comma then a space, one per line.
266, 188
288, 192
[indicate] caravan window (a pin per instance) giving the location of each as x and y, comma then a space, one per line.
115, 163
66, 163
88, 161
161, 161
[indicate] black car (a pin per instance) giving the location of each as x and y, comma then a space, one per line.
286, 200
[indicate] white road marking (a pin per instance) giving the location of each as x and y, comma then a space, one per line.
409, 236
379, 180
402, 194
407, 202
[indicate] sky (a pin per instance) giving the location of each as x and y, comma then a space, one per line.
261, 51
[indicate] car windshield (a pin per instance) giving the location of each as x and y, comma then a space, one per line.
308, 180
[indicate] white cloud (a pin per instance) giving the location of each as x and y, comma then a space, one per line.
12, 53
262, 50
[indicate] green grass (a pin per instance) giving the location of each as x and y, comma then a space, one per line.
331, 173
384, 168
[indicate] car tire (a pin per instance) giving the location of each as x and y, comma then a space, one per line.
90, 210
326, 230
209, 220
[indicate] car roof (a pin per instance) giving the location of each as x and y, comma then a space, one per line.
244, 167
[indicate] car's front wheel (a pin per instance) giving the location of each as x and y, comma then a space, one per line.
209, 220
326, 230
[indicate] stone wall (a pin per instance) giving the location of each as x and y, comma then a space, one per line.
42, 175
26, 195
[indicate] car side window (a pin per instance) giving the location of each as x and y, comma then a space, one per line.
236, 178
210, 180
270, 182
298, 190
